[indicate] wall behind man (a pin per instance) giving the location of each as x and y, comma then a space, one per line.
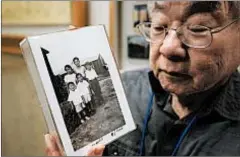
23, 125
98, 14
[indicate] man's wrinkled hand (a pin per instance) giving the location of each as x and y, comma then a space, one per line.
96, 151
53, 149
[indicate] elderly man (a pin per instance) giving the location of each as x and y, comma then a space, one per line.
194, 86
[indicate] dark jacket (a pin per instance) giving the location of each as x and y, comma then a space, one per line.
216, 130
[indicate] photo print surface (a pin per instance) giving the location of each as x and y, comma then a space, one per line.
86, 96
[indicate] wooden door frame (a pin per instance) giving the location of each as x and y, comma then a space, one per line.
79, 13
115, 29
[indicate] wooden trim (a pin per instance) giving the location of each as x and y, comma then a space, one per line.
10, 43
19, 37
112, 16
115, 29
79, 13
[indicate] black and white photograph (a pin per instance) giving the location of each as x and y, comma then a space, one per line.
140, 13
87, 99
138, 47
81, 92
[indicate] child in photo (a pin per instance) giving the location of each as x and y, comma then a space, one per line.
78, 68
76, 99
85, 92
91, 75
70, 76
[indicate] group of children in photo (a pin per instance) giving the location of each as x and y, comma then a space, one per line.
83, 88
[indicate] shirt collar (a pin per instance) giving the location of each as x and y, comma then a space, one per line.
226, 102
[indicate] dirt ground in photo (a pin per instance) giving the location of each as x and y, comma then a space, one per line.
108, 117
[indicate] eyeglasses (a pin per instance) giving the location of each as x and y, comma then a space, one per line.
195, 36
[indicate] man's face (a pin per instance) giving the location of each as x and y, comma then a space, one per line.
182, 70
76, 62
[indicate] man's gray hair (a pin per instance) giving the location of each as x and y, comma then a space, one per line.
234, 6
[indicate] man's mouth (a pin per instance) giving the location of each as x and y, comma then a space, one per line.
174, 74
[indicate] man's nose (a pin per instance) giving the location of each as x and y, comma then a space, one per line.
172, 47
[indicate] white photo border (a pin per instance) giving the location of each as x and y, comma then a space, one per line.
35, 44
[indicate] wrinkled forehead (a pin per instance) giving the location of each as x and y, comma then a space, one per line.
184, 9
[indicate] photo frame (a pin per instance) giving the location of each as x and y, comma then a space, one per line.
138, 47
85, 96
123, 30
140, 13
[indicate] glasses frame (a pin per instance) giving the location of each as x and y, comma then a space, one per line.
211, 30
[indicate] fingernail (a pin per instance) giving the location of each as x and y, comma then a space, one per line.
46, 137
47, 141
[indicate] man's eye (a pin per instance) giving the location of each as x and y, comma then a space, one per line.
198, 29
158, 29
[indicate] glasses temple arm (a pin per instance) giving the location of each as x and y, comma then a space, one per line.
222, 28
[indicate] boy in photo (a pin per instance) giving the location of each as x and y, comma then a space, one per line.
76, 99
91, 75
85, 92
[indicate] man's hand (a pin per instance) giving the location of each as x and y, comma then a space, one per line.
52, 148
96, 151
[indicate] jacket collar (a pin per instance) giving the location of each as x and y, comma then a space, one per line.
226, 101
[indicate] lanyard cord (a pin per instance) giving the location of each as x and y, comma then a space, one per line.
183, 134
146, 118
147, 115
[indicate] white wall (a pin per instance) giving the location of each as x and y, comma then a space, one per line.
99, 13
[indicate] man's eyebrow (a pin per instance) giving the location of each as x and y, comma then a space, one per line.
158, 6
201, 7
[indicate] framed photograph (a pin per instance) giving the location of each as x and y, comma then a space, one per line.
82, 86
138, 47
140, 14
